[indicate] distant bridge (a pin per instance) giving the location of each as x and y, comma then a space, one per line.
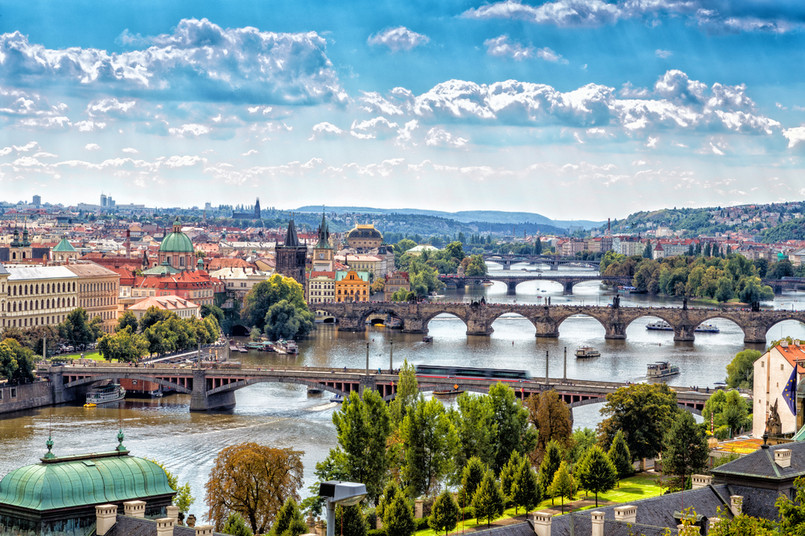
478, 317
214, 388
507, 259
511, 281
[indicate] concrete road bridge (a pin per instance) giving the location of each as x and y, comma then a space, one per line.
511, 281
478, 317
554, 261
212, 387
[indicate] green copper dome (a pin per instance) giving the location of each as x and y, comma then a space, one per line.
177, 241
64, 247
75, 481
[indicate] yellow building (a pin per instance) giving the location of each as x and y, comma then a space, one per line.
351, 286
36, 295
364, 237
98, 290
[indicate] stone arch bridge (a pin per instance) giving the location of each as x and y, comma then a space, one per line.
478, 317
511, 281
213, 387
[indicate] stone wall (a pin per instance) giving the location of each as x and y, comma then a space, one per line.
25, 396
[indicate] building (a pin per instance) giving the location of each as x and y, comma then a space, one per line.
37, 201
183, 308
197, 286
291, 257
374, 264
772, 372
64, 252
395, 281
60, 494
20, 250
321, 287
238, 281
176, 251
364, 237
351, 286
98, 290
323, 252
36, 295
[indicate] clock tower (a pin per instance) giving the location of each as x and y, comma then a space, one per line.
323, 251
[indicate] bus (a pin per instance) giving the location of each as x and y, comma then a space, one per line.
452, 371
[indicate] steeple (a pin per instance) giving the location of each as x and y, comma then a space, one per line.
291, 240
324, 235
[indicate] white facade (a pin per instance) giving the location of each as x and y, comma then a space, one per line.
772, 371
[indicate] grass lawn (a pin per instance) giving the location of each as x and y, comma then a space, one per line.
94, 355
631, 489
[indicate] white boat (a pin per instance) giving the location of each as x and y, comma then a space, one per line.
111, 392
587, 351
661, 369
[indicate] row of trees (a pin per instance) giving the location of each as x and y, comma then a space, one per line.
278, 309
424, 269
722, 279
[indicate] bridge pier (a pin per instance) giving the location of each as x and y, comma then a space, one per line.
347, 323
201, 401
554, 265
568, 290
615, 330
411, 325
511, 288
479, 327
755, 333
367, 382
547, 329
684, 332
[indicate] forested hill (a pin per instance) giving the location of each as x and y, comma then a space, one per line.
775, 222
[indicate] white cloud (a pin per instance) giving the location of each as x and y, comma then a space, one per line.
130, 150
795, 136
325, 130
109, 107
249, 152
92, 147
502, 47
438, 137
399, 38
199, 61
660, 53
90, 126
378, 127
190, 129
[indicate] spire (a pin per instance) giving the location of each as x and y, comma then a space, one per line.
49, 455
291, 240
324, 234
120, 447
177, 227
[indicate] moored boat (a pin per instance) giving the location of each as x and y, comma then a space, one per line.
111, 392
661, 369
587, 351
662, 325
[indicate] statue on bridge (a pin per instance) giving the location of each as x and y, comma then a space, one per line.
774, 426
616, 302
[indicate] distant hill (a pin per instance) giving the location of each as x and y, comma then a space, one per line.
478, 217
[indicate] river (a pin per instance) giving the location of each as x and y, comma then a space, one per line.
283, 415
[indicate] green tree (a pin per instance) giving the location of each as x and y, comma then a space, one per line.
183, 498
402, 295
267, 293
488, 500
563, 485
152, 316
525, 491
429, 440
476, 266
284, 320
404, 245
780, 269
398, 519
596, 472
125, 345
508, 474
740, 371
620, 455
728, 410
78, 329
289, 520
643, 412
647, 252
236, 526
444, 513
547, 469
350, 521
512, 431
16, 362
476, 427
391, 491
214, 311
127, 319
407, 394
580, 441
471, 477
684, 448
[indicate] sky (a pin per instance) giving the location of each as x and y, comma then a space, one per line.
568, 108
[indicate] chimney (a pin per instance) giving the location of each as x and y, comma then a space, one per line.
782, 457
701, 481
204, 530
134, 508
542, 523
165, 526
598, 523
105, 518
626, 514
712, 522
173, 513
736, 504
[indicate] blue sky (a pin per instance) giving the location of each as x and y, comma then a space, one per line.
573, 109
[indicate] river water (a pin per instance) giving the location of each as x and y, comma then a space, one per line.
284, 416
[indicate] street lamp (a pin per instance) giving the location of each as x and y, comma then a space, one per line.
343, 493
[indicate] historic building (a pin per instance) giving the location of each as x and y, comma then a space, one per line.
323, 257
20, 250
351, 286
321, 287
183, 308
772, 372
98, 290
291, 256
238, 281
197, 286
364, 237
36, 295
395, 281
176, 252
64, 252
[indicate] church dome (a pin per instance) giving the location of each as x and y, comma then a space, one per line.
177, 241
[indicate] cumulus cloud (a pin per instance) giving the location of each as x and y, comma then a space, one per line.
92, 147
130, 150
325, 130
199, 61
378, 127
501, 46
711, 15
660, 53
397, 39
438, 137
795, 136
190, 129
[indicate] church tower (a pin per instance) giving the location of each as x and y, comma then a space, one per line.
257, 209
292, 256
323, 251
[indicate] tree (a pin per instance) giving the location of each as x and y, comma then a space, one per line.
596, 472
350, 521
563, 485
620, 456
78, 329
152, 316
183, 498
125, 345
551, 417
647, 253
285, 320
740, 371
508, 473
16, 362
406, 396
289, 520
236, 526
644, 412
547, 469
267, 293
127, 319
214, 311
512, 431
389, 494
254, 481
488, 500
685, 448
363, 428
728, 411
580, 441
471, 477
444, 513
792, 511
429, 440
525, 491
398, 519
476, 428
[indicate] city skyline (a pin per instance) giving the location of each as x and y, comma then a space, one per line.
564, 108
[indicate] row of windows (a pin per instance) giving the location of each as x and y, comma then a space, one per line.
360, 292
31, 322
93, 287
98, 302
34, 305
47, 288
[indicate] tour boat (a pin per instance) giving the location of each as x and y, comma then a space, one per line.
662, 325
314, 390
661, 369
338, 399
427, 338
111, 392
587, 351
446, 393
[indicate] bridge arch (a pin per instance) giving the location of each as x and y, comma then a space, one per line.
427, 318
791, 321
101, 377
235, 386
578, 315
513, 315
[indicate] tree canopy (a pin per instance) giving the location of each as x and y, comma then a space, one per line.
596, 472
728, 412
16, 362
740, 371
684, 450
269, 292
